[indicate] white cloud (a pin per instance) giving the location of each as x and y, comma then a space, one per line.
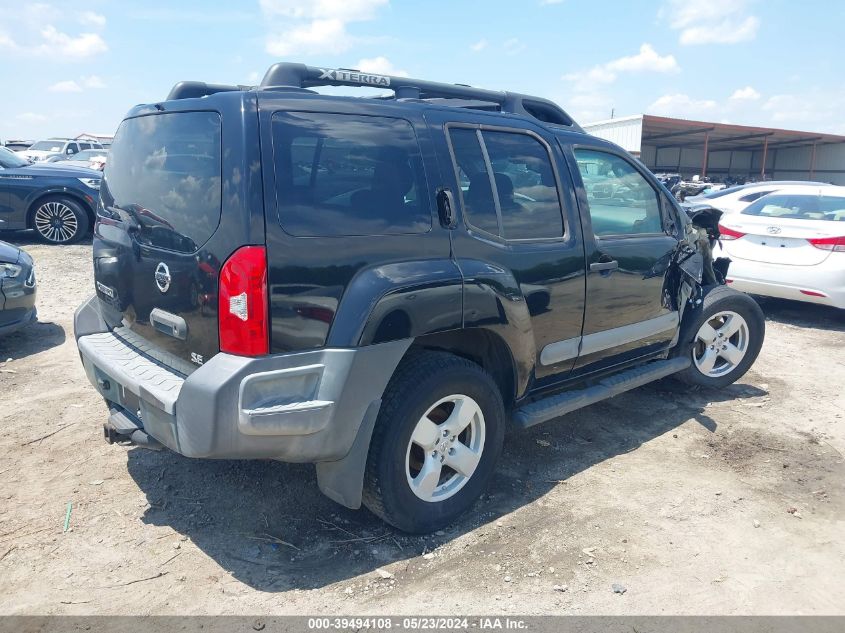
745, 94
317, 27
65, 86
812, 110
588, 107
84, 45
89, 18
92, 81
318, 36
254, 77
31, 117
344, 10
712, 22
683, 106
647, 60
479, 46
380, 66
28, 29
513, 46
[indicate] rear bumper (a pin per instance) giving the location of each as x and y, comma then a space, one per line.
787, 282
300, 407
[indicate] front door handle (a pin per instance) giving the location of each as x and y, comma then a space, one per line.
604, 266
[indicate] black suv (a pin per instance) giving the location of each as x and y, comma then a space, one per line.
381, 286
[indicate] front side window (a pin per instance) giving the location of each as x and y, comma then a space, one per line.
348, 175
516, 176
621, 201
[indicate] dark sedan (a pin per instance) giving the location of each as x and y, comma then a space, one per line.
59, 203
17, 289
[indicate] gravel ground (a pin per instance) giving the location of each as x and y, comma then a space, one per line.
660, 501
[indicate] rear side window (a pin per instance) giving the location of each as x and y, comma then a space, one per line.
476, 191
348, 175
164, 171
525, 184
510, 173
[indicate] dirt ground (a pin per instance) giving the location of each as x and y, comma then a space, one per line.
695, 502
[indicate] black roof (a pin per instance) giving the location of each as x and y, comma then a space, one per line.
292, 76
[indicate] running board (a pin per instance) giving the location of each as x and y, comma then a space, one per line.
569, 401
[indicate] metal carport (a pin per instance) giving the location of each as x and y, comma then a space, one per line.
721, 149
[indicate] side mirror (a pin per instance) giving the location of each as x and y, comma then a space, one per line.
69, 151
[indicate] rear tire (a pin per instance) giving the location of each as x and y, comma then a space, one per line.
60, 220
723, 338
439, 411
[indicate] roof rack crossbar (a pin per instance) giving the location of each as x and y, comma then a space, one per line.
196, 89
302, 76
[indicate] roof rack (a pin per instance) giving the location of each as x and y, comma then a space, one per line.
289, 75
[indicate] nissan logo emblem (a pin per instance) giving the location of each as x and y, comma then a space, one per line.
162, 277
774, 230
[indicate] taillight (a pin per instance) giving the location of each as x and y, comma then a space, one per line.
242, 303
835, 244
729, 234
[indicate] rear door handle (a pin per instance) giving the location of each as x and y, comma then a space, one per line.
603, 266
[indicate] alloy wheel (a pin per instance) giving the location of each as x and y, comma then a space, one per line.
56, 222
721, 344
445, 448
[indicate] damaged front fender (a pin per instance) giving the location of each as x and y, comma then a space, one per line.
694, 267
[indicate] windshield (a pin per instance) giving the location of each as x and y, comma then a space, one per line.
9, 159
798, 207
47, 146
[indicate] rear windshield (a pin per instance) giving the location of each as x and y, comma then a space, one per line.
828, 208
163, 175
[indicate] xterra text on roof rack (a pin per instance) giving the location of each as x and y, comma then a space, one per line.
381, 286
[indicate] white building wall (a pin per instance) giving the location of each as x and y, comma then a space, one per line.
794, 164
626, 132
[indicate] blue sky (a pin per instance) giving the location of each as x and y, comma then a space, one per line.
69, 67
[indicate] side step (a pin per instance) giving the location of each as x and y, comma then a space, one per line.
568, 401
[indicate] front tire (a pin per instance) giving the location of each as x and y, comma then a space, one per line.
59, 220
723, 338
435, 443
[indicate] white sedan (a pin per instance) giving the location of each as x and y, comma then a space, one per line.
789, 245
735, 199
